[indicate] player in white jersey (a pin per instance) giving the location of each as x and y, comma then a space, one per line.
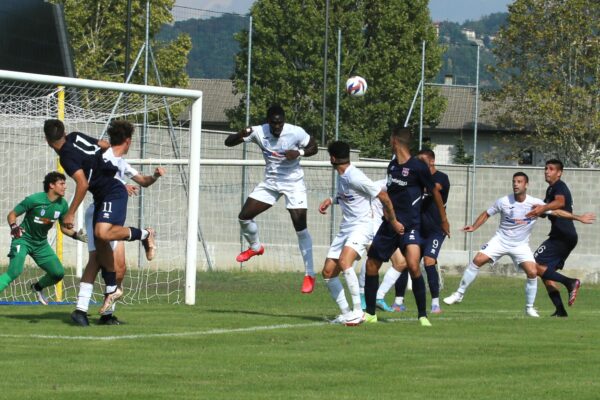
397, 259
282, 146
120, 143
511, 238
354, 196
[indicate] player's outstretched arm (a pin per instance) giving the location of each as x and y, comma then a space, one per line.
237, 138
478, 222
537, 210
586, 218
325, 205
147, 180
72, 233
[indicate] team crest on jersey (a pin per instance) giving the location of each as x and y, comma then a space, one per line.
56, 214
43, 212
405, 171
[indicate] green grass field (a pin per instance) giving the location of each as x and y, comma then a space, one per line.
254, 336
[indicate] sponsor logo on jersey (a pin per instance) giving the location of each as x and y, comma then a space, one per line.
398, 182
43, 221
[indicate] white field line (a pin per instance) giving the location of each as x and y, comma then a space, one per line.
257, 328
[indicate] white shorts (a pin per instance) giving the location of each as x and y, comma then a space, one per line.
495, 248
295, 194
358, 239
89, 229
377, 221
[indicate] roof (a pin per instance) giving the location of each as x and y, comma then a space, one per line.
460, 110
217, 97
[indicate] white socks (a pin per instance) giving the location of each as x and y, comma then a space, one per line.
145, 234
250, 232
84, 296
389, 279
399, 300
530, 291
353, 288
361, 277
468, 277
305, 245
337, 293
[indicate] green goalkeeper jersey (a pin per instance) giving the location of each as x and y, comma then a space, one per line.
40, 214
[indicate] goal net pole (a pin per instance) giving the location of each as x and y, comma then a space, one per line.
194, 160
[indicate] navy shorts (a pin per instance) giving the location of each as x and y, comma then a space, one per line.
432, 244
386, 241
111, 210
554, 252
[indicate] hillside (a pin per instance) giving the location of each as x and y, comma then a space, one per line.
214, 46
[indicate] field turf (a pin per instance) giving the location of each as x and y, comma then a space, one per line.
254, 336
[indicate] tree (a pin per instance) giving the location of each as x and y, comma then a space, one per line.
381, 41
97, 30
460, 155
549, 66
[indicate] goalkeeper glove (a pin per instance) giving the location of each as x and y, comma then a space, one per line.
80, 235
16, 231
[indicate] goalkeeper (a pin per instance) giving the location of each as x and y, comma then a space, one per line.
31, 237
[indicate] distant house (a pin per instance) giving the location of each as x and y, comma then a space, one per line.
494, 145
217, 97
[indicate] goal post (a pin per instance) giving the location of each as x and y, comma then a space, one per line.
37, 83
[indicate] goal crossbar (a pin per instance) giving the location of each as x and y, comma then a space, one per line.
195, 143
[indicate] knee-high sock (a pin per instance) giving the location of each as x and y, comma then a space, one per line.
419, 292
468, 277
371, 286
389, 279
401, 284
84, 296
305, 245
433, 280
530, 291
556, 300
250, 232
353, 288
361, 276
553, 275
336, 290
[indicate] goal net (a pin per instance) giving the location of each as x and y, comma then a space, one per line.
27, 100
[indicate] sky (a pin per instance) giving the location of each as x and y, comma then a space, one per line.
441, 10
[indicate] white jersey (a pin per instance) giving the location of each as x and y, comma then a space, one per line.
514, 227
355, 193
278, 168
376, 205
125, 170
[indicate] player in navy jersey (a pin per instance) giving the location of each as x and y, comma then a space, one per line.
408, 178
551, 255
432, 238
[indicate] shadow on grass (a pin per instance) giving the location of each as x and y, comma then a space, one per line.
63, 316
305, 317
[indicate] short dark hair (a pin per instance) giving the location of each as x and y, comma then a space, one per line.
51, 178
119, 130
339, 150
523, 174
427, 152
275, 109
402, 133
556, 162
54, 130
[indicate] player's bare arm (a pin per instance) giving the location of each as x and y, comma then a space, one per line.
556, 204
72, 233
437, 197
586, 218
310, 150
478, 222
237, 138
147, 180
104, 145
81, 187
325, 205
389, 214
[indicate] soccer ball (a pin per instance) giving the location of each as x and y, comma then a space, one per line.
356, 86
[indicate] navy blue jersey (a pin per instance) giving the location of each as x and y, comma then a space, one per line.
406, 184
431, 220
81, 152
561, 228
